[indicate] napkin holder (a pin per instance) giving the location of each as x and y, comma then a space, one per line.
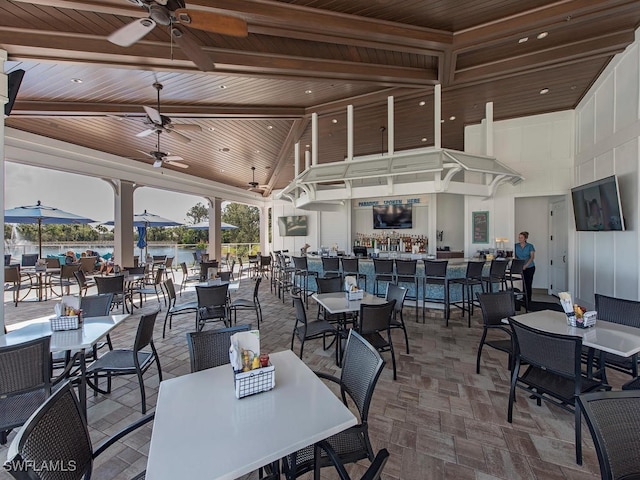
65, 322
587, 320
253, 381
351, 288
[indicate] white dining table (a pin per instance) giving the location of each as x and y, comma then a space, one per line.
337, 302
92, 330
605, 336
201, 430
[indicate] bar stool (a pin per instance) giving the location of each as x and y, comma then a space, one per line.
515, 274
301, 276
383, 269
285, 275
472, 278
351, 266
435, 273
406, 273
497, 274
330, 267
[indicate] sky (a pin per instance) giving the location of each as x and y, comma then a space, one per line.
87, 196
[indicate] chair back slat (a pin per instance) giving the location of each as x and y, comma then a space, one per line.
25, 367
474, 270
110, 284
350, 265
406, 267
329, 285
496, 306
517, 266
498, 268
560, 354
435, 268
375, 318
210, 348
96, 305
618, 310
397, 294
382, 266
330, 264
144, 335
300, 263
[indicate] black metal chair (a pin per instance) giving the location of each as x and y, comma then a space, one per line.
515, 274
301, 276
186, 278
553, 374
175, 308
406, 272
496, 306
83, 283
614, 422
224, 276
306, 330
240, 304
497, 274
373, 472
383, 269
204, 270
472, 279
29, 259
57, 434
331, 267
397, 293
128, 362
96, 305
212, 305
361, 368
114, 284
154, 288
333, 285
285, 276
624, 312
351, 267
374, 324
14, 282
210, 348
25, 382
435, 273
65, 280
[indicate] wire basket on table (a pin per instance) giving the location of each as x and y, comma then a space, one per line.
64, 323
254, 381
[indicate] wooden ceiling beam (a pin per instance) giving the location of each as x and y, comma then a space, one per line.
23, 44
112, 7
605, 45
68, 109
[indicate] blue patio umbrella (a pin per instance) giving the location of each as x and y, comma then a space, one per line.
145, 220
205, 226
142, 237
42, 214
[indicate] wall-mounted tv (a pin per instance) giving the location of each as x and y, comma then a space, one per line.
293, 226
392, 216
596, 206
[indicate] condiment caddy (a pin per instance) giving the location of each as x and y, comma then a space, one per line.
253, 373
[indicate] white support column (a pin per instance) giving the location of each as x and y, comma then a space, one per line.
215, 228
349, 132
314, 139
307, 159
264, 230
437, 116
296, 159
390, 125
489, 128
4, 97
123, 222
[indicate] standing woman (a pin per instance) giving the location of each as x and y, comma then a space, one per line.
527, 252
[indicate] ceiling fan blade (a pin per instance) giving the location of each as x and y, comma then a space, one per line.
157, 164
145, 133
132, 32
153, 114
178, 136
186, 127
192, 50
146, 153
172, 158
212, 22
176, 164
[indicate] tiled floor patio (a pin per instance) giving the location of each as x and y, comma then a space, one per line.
439, 419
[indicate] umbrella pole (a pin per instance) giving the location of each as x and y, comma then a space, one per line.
39, 238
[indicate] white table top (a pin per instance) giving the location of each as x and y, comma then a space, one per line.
210, 283
92, 330
338, 303
605, 336
201, 430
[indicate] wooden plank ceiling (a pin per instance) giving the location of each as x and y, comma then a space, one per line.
300, 57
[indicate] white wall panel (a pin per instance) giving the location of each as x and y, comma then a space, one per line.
334, 229
605, 276
450, 219
627, 89
585, 125
586, 270
603, 165
605, 108
626, 264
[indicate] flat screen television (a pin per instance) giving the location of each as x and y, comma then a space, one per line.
293, 226
392, 217
596, 206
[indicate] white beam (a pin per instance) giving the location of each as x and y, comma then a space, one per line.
390, 125
349, 132
437, 116
314, 139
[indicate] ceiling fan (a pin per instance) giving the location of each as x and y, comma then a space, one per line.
174, 14
255, 186
161, 157
161, 123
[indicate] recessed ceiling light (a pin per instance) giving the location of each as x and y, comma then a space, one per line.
452, 117
211, 129
222, 87
308, 92
257, 151
268, 167
307, 146
541, 35
269, 127
544, 91
441, 121
422, 103
76, 80
225, 149
222, 170
523, 39
423, 139
335, 120
573, 87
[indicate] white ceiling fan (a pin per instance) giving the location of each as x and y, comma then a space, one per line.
162, 123
161, 157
